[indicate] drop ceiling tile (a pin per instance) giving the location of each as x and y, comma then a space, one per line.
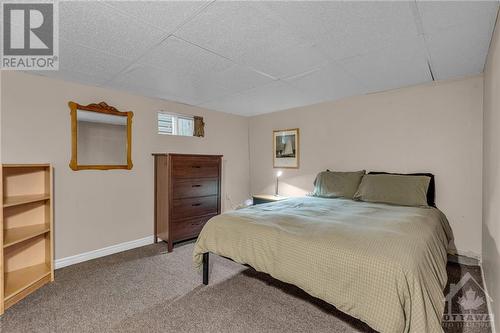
289, 61
71, 76
328, 83
169, 84
440, 15
84, 65
237, 30
275, 96
164, 15
308, 19
349, 28
141, 78
234, 103
148, 92
95, 63
272, 97
238, 78
185, 61
95, 25
398, 66
200, 92
460, 50
181, 58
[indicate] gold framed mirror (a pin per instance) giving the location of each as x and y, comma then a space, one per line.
101, 137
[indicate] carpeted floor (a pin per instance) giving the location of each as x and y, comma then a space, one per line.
146, 290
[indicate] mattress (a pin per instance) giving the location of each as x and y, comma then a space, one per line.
383, 264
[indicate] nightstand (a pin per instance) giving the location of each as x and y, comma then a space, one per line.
266, 198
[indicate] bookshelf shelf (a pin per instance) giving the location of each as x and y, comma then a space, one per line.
24, 199
21, 234
21, 279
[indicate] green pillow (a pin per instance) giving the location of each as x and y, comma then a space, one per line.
394, 189
335, 184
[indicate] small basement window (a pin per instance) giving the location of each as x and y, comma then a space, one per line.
175, 124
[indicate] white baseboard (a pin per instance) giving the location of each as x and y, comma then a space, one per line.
488, 300
106, 251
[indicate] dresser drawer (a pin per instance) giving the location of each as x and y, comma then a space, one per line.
195, 167
182, 208
186, 188
184, 229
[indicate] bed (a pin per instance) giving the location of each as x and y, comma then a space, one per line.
383, 264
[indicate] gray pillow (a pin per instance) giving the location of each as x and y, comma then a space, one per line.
394, 189
336, 184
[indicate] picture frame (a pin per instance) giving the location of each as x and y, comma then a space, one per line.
286, 148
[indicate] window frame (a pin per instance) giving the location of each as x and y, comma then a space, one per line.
175, 122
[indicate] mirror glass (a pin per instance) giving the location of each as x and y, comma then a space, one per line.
102, 138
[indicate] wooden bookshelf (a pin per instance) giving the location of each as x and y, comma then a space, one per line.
26, 235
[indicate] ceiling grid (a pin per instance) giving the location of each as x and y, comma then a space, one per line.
255, 57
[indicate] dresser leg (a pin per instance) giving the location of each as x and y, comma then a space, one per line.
170, 246
205, 268
156, 239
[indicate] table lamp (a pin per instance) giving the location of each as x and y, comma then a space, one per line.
278, 175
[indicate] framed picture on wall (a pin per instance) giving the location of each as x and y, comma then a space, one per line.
286, 148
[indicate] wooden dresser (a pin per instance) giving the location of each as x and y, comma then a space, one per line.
187, 195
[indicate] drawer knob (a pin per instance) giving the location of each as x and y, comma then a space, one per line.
196, 166
196, 185
196, 204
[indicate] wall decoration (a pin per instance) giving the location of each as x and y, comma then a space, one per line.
286, 148
101, 137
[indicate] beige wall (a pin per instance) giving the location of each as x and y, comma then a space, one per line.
491, 175
435, 128
94, 209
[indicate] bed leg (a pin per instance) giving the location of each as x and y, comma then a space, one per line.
205, 268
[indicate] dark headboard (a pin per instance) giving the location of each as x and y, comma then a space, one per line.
431, 191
